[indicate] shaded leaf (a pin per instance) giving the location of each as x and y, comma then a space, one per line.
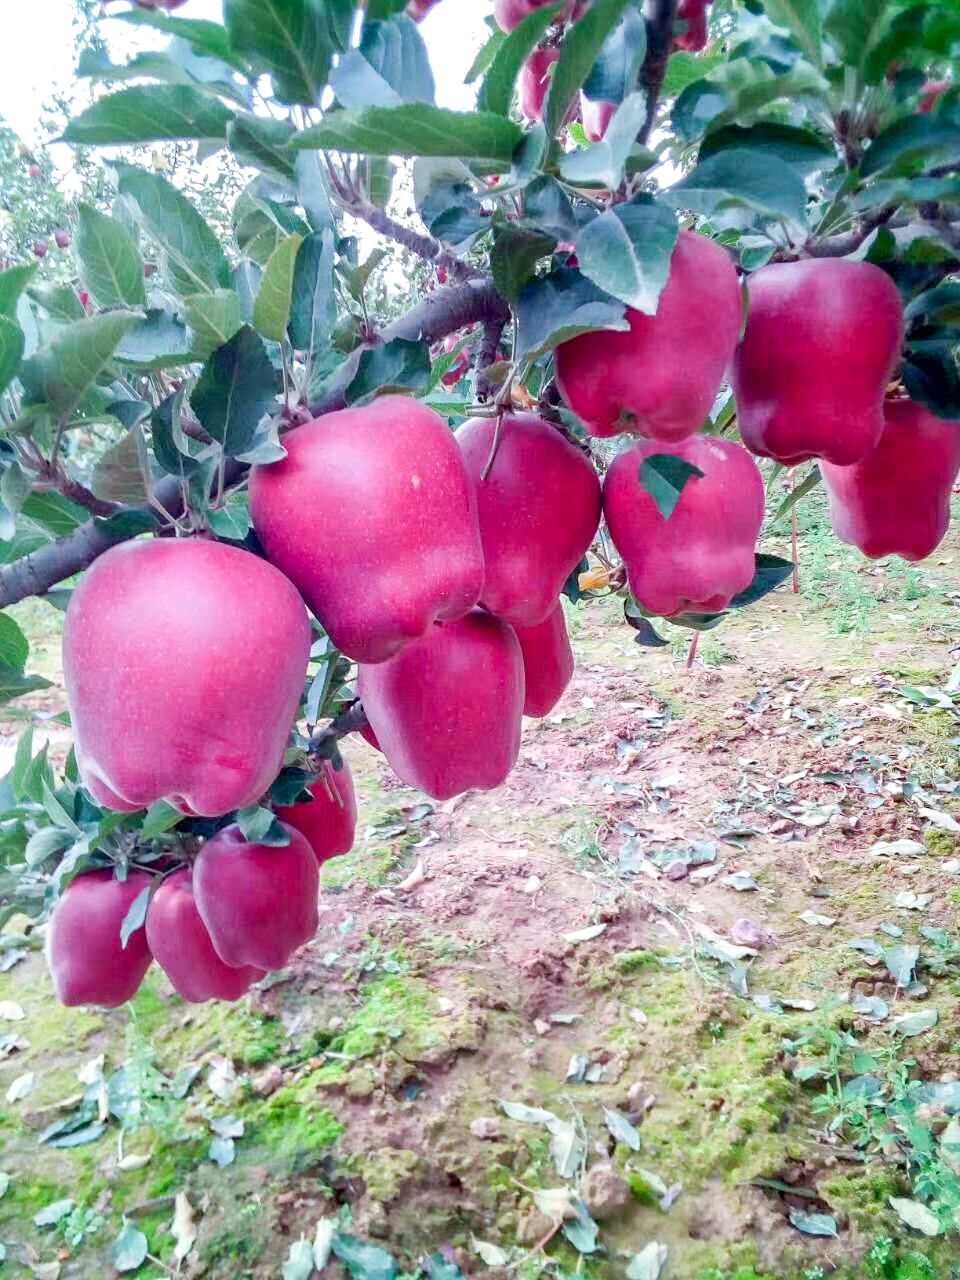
271, 309
578, 55
560, 306
414, 129
496, 92
813, 1224
621, 1128
740, 177
62, 372
130, 1248
237, 387
627, 251
367, 1261
603, 163
150, 113
213, 319
398, 365
665, 476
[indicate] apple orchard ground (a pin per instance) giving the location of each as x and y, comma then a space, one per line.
447, 973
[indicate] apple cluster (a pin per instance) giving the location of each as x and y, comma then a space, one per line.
436, 560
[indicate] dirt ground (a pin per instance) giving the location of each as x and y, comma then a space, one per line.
643, 936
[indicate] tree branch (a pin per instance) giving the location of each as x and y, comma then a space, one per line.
660, 16
424, 246
442, 312
350, 721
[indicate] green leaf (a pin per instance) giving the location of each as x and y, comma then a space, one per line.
547, 208
121, 474
237, 387
261, 826
271, 309
136, 916
685, 69
159, 817
578, 54
43, 844
290, 39
130, 1248
53, 1213
313, 194
496, 92
156, 341
813, 1224
740, 177
13, 281
13, 683
232, 520
621, 1128
213, 319
313, 309
856, 27
915, 1215
262, 143
602, 163
60, 301
110, 264
299, 1263
908, 141
205, 38
61, 373
665, 476
914, 1024
356, 84
810, 481
802, 20
802, 149
11, 349
399, 365
770, 572
195, 261
627, 250
516, 252
14, 646
362, 1260
414, 129
150, 113
560, 306
931, 375
614, 74
396, 52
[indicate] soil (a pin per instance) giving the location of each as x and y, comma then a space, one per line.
573, 941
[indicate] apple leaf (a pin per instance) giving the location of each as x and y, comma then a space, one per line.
578, 55
516, 252
769, 573
13, 281
602, 163
414, 129
665, 476
237, 387
293, 41
150, 113
136, 916
558, 307
626, 251
741, 177
11, 349
262, 143
271, 307
399, 365
313, 311
213, 319
110, 264
61, 373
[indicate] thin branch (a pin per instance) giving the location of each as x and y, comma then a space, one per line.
487, 355
659, 43
424, 246
350, 721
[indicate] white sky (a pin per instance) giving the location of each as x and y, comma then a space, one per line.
36, 53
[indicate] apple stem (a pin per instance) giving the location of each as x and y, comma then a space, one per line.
692, 651
494, 446
795, 582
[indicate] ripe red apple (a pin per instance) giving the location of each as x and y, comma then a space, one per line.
547, 662
181, 946
510, 13
539, 508
184, 661
896, 500
40, 248
447, 710
460, 365
418, 9
258, 901
700, 557
34, 170
694, 14
394, 545
149, 268
535, 81
329, 821
84, 298
595, 116
822, 340
87, 961
931, 93
62, 238
660, 377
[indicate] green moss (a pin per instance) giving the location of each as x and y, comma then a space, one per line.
395, 1008
385, 1172
361, 865
636, 961
641, 1190
940, 842
292, 1126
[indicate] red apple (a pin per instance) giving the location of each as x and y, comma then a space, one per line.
447, 710
329, 821
596, 116
822, 341
40, 248
539, 508
535, 81
460, 365
84, 298
896, 500
149, 268
661, 376
547, 662
694, 14
34, 170
62, 239
394, 545
258, 901
181, 946
418, 9
87, 961
700, 557
931, 93
510, 13
184, 662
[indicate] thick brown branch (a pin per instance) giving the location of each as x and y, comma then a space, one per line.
661, 14
440, 313
486, 356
